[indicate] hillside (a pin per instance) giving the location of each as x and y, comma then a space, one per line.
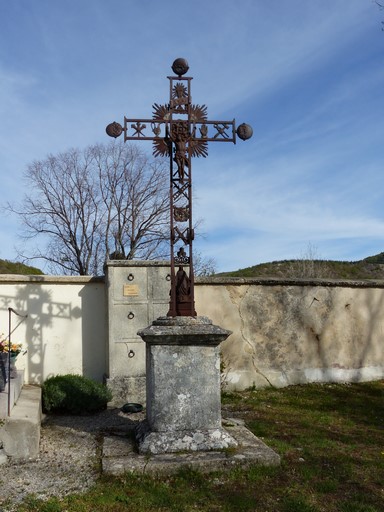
371, 267
9, 267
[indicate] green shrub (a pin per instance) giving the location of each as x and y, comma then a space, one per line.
74, 394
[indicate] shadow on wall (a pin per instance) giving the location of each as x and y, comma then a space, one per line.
372, 349
36, 301
94, 331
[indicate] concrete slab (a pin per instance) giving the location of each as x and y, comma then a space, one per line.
15, 389
119, 454
20, 432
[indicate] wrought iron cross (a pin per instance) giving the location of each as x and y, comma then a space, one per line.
180, 138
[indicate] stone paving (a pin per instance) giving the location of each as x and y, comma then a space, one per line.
119, 454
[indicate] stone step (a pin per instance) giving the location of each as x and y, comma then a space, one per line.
16, 385
20, 432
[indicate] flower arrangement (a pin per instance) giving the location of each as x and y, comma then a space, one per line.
14, 349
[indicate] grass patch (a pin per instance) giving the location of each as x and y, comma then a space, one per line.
330, 438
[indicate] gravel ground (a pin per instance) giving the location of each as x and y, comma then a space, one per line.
69, 460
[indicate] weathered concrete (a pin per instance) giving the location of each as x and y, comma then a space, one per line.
183, 386
15, 390
127, 389
20, 432
3, 457
176, 441
293, 332
119, 455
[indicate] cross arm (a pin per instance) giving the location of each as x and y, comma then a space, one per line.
156, 129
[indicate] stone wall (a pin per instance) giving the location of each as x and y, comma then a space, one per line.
65, 331
290, 332
284, 331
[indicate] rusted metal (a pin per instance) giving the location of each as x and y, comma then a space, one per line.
180, 138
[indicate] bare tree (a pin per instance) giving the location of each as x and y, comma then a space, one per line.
381, 7
87, 204
203, 266
309, 265
135, 195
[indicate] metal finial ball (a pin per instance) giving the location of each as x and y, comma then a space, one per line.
114, 129
180, 66
244, 131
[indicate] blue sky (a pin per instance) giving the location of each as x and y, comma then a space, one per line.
308, 75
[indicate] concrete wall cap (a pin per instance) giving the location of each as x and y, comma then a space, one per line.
277, 281
44, 279
137, 263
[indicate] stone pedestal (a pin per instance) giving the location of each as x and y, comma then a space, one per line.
183, 386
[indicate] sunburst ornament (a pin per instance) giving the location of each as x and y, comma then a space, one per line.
199, 113
179, 91
161, 147
160, 112
198, 147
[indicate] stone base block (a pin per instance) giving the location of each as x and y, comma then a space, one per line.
127, 389
20, 432
150, 442
119, 455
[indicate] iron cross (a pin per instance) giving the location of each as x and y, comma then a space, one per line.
180, 138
